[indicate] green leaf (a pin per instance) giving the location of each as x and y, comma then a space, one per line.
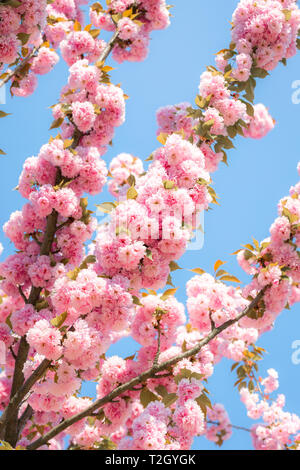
169, 399
5, 446
23, 37
132, 193
106, 207
59, 320
174, 266
248, 254
131, 180
136, 300
204, 400
250, 108
146, 397
231, 131
73, 274
292, 217
149, 254
56, 123
200, 101
168, 293
8, 322
198, 271
287, 14
94, 33
256, 243
207, 125
169, 281
218, 264
227, 143
14, 3
161, 390
251, 386
162, 138
230, 278
249, 88
90, 259
169, 184
258, 72
3, 114
183, 374
221, 272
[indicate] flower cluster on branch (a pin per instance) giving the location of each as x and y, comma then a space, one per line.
64, 303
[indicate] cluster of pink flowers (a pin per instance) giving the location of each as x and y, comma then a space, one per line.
93, 108
210, 300
152, 228
160, 427
61, 17
275, 263
260, 124
265, 31
279, 429
95, 311
219, 428
134, 28
144, 326
120, 169
224, 112
34, 26
89, 299
27, 19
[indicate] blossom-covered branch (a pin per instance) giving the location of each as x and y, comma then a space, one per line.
64, 304
142, 378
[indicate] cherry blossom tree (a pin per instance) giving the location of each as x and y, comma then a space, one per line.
73, 288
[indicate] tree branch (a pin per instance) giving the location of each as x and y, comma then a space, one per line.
9, 418
28, 413
151, 373
233, 426
14, 72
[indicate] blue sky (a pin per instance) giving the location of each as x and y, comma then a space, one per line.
259, 172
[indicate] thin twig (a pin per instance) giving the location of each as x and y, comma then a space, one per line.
14, 72
155, 362
22, 294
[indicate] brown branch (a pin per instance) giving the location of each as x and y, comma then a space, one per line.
233, 426
64, 224
22, 294
151, 373
34, 236
28, 413
9, 418
14, 72
109, 47
155, 362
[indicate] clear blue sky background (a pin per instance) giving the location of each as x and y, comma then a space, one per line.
259, 173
